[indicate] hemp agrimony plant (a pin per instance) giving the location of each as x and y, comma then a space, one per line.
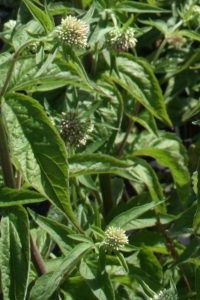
99, 140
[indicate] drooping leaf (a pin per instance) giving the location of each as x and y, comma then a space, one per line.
15, 254
39, 150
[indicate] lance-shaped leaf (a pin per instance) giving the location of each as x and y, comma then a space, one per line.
39, 150
39, 15
124, 219
136, 7
13, 197
15, 254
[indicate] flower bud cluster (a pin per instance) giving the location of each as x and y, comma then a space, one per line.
115, 238
73, 131
73, 32
121, 40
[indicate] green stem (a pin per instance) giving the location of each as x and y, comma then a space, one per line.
159, 51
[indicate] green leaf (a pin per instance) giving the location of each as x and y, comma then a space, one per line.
39, 150
58, 232
39, 15
190, 34
146, 120
12, 197
150, 264
160, 25
122, 261
138, 80
15, 254
97, 279
124, 219
47, 284
169, 152
136, 170
135, 7
152, 240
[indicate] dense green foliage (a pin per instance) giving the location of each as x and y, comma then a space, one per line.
99, 150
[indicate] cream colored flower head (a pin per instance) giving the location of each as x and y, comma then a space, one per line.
73, 32
115, 238
121, 40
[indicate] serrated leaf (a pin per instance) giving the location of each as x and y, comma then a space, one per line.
138, 80
39, 150
15, 254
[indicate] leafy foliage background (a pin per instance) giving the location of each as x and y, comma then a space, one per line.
137, 169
